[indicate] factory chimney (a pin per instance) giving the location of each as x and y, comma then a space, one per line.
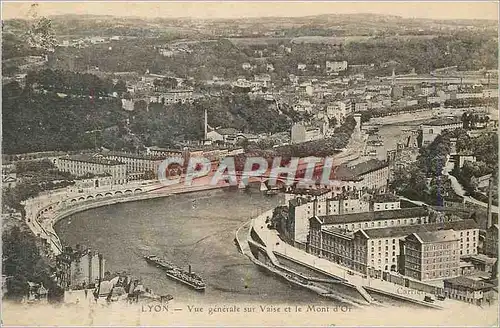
490, 185
205, 125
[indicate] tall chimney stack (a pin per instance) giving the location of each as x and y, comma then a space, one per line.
205, 125
490, 183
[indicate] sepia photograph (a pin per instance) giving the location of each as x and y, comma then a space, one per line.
249, 163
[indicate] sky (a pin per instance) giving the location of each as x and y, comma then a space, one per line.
238, 9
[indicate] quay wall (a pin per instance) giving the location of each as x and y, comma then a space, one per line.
43, 212
303, 268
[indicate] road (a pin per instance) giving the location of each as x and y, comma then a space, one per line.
459, 190
276, 245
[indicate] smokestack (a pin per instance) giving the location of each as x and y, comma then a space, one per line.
189, 268
206, 125
90, 258
490, 183
100, 267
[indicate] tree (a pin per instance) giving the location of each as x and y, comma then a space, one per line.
41, 34
120, 87
22, 263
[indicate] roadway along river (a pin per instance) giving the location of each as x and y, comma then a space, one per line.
193, 228
197, 229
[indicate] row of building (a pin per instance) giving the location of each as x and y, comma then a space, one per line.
373, 234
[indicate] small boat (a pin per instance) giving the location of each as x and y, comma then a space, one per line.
186, 277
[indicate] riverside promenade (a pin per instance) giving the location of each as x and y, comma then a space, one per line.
369, 288
48, 208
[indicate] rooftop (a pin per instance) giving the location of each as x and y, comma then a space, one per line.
468, 283
436, 236
311, 192
443, 121
133, 155
410, 212
155, 148
91, 159
384, 198
344, 172
227, 131
479, 258
406, 230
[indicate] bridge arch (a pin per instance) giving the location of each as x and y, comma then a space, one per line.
90, 197
138, 190
118, 192
98, 196
81, 198
128, 191
108, 194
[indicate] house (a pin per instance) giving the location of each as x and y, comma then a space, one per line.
435, 127
301, 133
247, 136
490, 93
335, 66
427, 89
301, 67
9, 178
294, 79
407, 102
264, 80
305, 89
469, 290
491, 241
338, 111
480, 262
303, 106
461, 158
225, 135
246, 66
128, 104
360, 105
36, 293
176, 96
433, 99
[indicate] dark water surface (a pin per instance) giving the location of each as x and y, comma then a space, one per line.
194, 228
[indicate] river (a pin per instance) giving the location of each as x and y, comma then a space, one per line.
196, 228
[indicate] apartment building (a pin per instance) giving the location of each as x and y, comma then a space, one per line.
330, 232
385, 244
175, 96
432, 255
163, 152
375, 248
82, 165
369, 175
136, 164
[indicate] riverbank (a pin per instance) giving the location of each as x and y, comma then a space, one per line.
304, 269
43, 213
243, 240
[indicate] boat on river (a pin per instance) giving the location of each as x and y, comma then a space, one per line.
188, 278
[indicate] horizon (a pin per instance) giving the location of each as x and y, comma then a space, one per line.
444, 10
